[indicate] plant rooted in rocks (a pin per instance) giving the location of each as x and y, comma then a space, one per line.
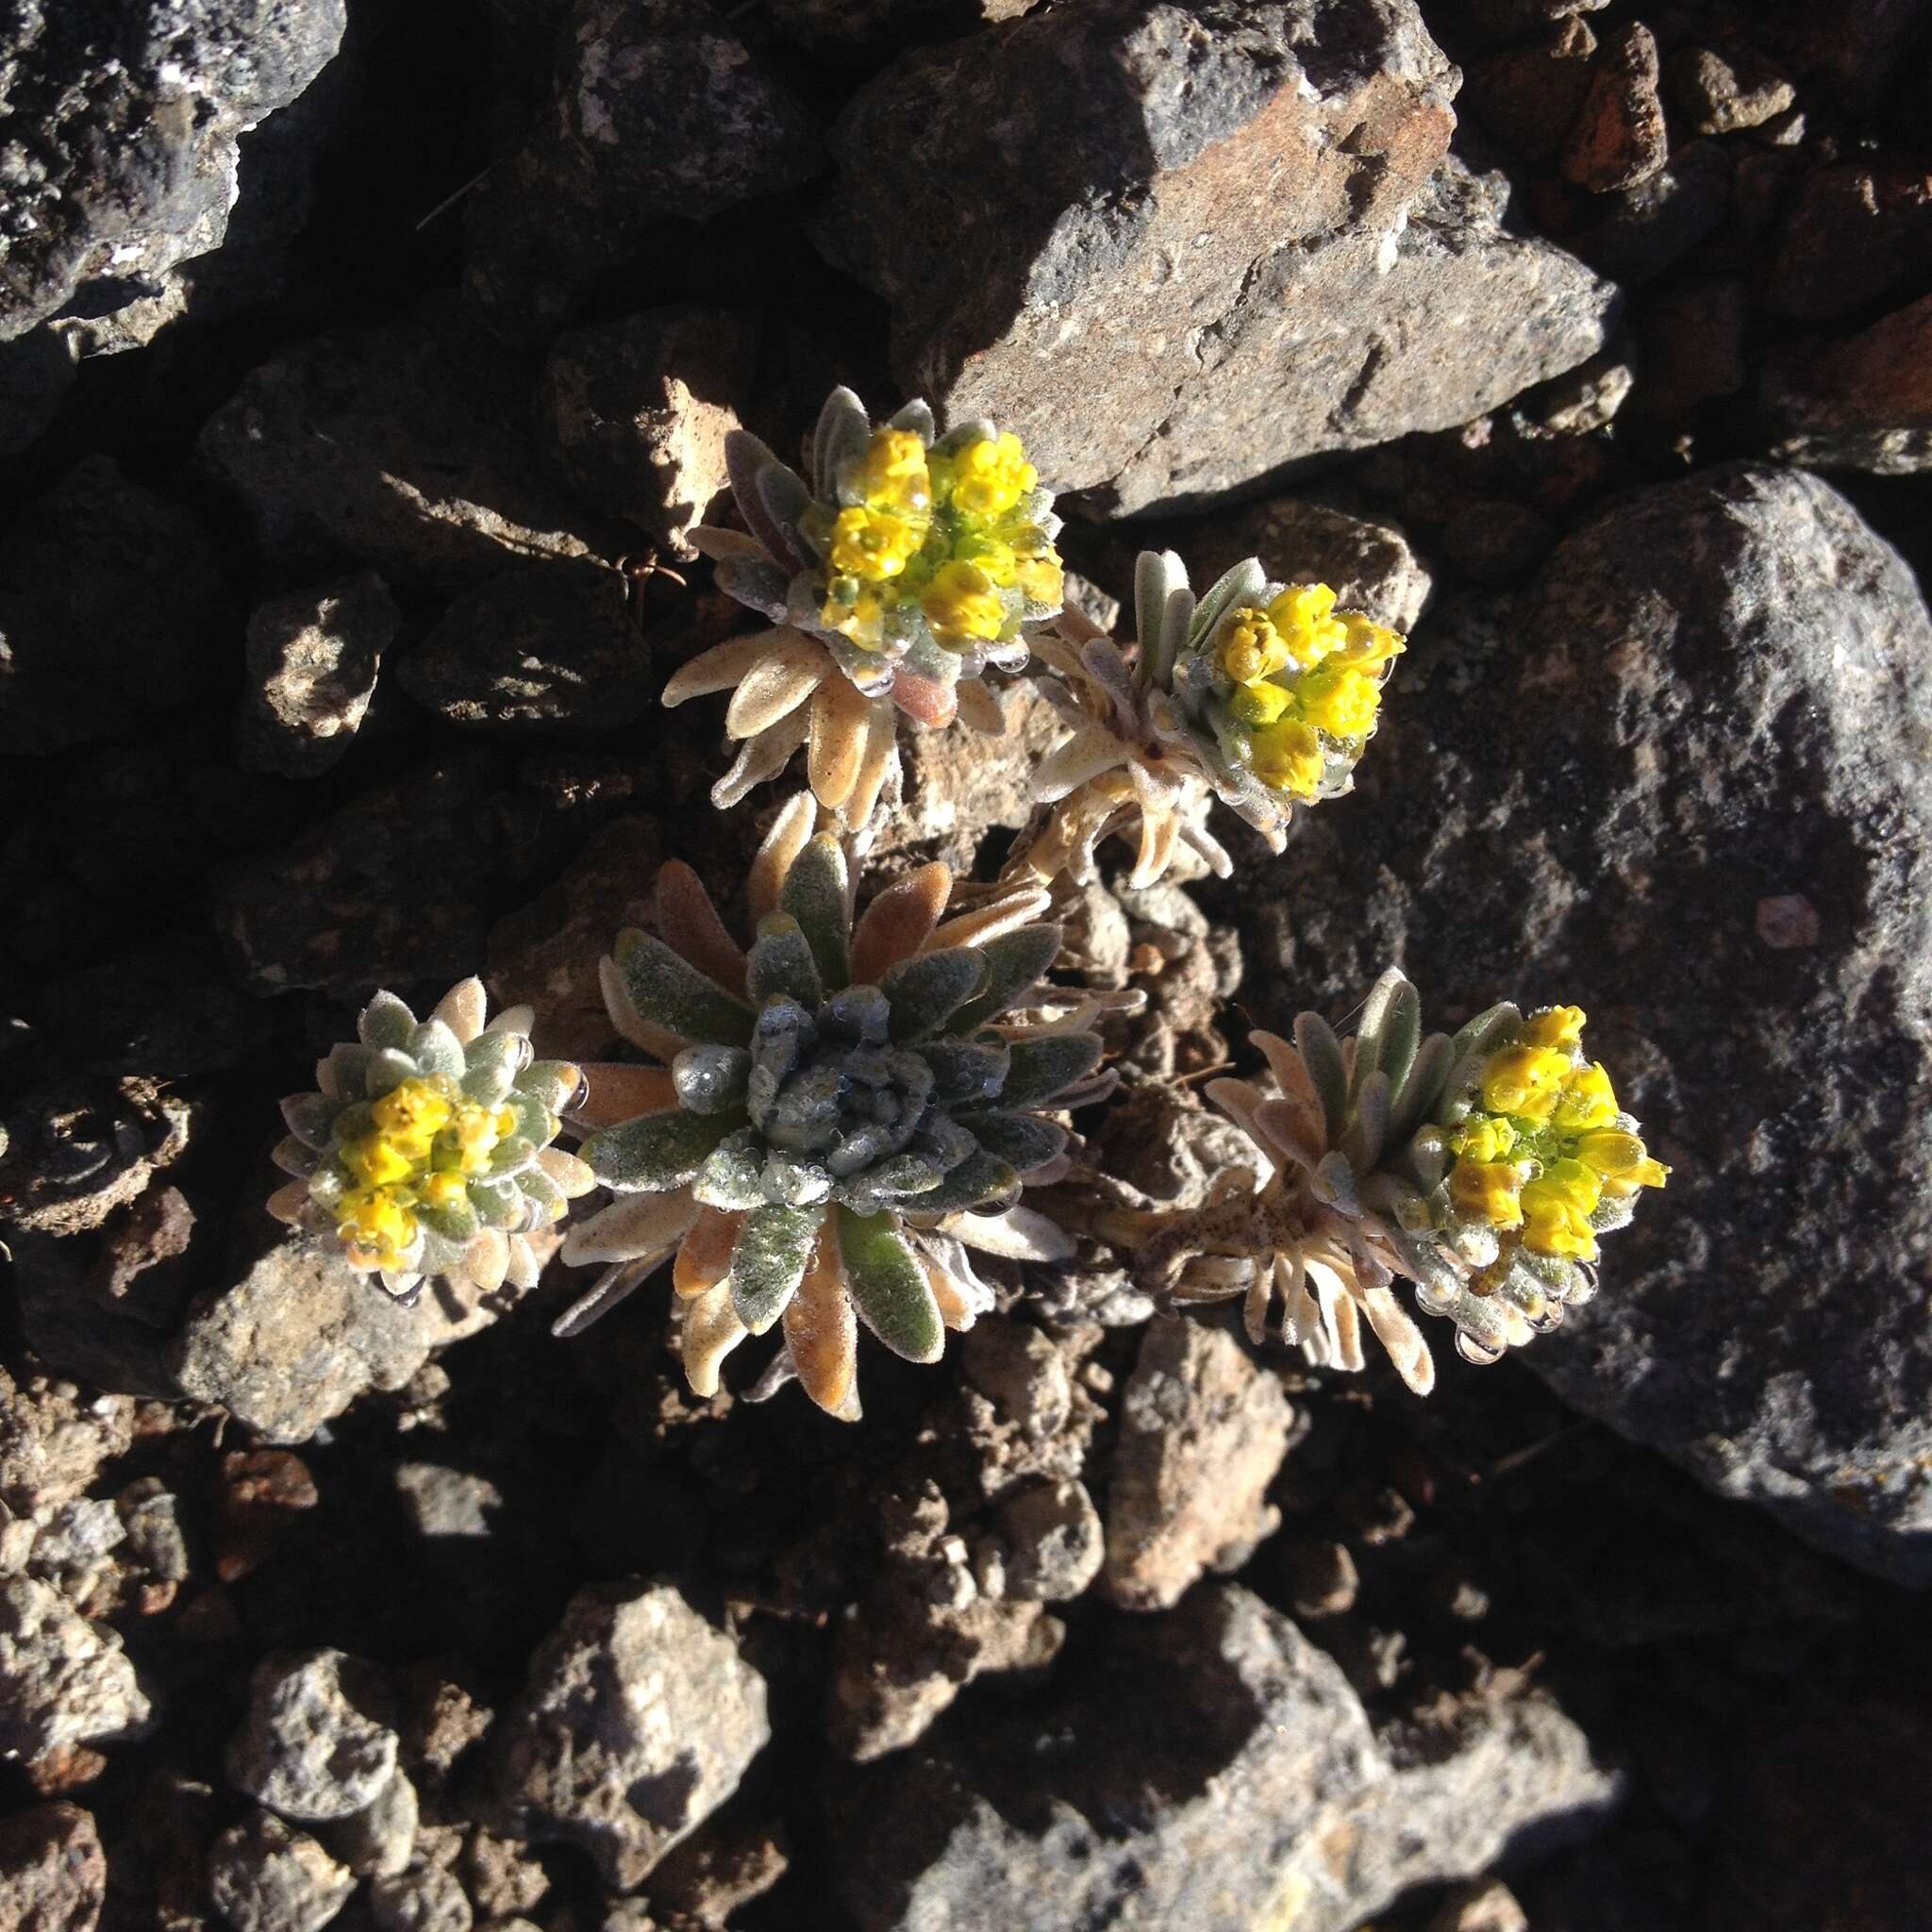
836, 1115
896, 571
1482, 1166
427, 1149
1260, 694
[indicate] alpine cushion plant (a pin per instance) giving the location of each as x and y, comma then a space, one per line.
896, 571
1482, 1166
1260, 694
835, 1115
426, 1149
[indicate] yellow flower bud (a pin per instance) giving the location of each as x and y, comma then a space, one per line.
1587, 1101
1287, 757
444, 1191
991, 476
1366, 645
1553, 1223
1303, 616
1557, 1026
1251, 647
1483, 1137
1524, 1081
892, 475
413, 1111
873, 545
1339, 701
376, 1226
962, 604
378, 1161
1041, 578
995, 558
1620, 1156
1260, 704
1488, 1192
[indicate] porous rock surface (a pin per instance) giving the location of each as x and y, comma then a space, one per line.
1117, 248
1212, 1769
1702, 725
637, 1721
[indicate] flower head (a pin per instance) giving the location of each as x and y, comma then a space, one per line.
896, 570
425, 1150
834, 1114
1260, 694
1481, 1167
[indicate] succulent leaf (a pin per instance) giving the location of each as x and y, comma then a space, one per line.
889, 1288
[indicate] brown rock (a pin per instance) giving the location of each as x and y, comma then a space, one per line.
53, 1876
635, 413
1619, 138
1864, 403
1529, 96
1854, 232
547, 952
1692, 338
1203, 1430
1719, 94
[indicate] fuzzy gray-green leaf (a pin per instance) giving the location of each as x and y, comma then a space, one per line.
656, 1150
1047, 1064
979, 1179
435, 1049
1320, 1054
889, 1288
385, 1022
774, 1249
668, 991
1015, 963
1023, 1141
816, 892
309, 1117
924, 991
780, 964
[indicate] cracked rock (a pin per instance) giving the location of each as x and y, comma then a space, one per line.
312, 1747
1203, 1430
635, 1722
1210, 1769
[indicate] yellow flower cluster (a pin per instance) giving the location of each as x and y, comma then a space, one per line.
424, 1140
1543, 1153
945, 532
1302, 677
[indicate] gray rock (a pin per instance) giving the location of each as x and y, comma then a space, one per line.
1721, 92
312, 659
1681, 780
1117, 293
63, 1679
1366, 561
635, 413
314, 1745
1113, 248
1211, 1770
427, 1898
113, 606
386, 448
53, 1876
1864, 403
636, 1723
123, 140
301, 1335
265, 1876
151, 1515
390, 888
75, 1542
443, 1502
535, 653
1052, 1541
658, 112
378, 1843
53, 1441
1203, 1430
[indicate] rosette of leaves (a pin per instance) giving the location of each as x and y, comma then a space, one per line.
426, 1149
896, 570
1258, 693
835, 1115
1479, 1165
